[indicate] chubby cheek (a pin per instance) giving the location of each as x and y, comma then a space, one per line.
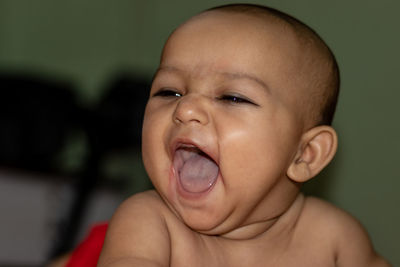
154, 154
253, 157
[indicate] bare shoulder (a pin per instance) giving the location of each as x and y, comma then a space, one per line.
145, 208
350, 241
148, 200
136, 226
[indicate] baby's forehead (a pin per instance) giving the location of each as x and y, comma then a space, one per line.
236, 40
244, 31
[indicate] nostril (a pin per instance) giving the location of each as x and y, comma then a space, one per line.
186, 118
191, 110
177, 120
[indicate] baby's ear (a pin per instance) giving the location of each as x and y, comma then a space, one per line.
317, 148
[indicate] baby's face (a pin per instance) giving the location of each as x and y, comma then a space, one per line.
221, 126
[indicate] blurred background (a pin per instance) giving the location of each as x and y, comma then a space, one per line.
74, 78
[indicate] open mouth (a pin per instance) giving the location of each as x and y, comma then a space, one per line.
196, 171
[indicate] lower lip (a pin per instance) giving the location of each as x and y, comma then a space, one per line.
187, 194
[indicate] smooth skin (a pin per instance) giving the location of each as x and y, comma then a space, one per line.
228, 85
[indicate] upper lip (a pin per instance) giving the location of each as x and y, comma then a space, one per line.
190, 143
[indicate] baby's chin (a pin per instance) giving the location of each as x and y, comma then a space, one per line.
210, 226
208, 213
229, 228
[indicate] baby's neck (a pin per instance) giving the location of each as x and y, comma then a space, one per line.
285, 222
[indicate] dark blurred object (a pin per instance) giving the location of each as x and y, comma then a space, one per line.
114, 125
35, 117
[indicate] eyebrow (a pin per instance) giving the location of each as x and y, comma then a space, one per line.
230, 75
242, 75
168, 69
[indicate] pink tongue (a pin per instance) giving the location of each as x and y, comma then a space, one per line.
197, 172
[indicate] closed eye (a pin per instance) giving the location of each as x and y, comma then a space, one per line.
167, 93
235, 99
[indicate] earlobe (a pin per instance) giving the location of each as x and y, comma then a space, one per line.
317, 148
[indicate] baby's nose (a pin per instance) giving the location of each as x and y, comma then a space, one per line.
192, 108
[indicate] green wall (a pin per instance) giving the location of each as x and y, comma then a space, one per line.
88, 41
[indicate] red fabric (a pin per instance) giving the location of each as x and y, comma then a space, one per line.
88, 252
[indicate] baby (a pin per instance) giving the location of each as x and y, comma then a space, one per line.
238, 118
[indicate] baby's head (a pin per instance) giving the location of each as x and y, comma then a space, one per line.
313, 73
237, 117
